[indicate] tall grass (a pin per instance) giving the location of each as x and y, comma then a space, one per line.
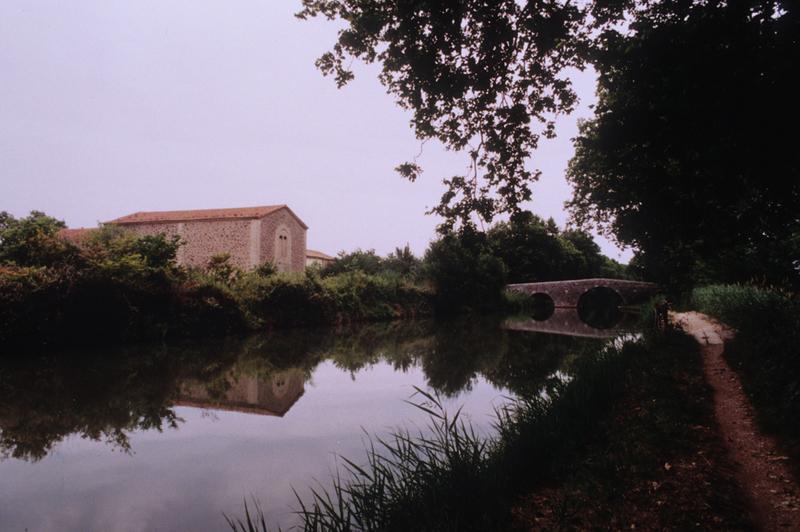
765, 352
447, 477
748, 308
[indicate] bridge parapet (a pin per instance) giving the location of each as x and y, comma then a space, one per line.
568, 293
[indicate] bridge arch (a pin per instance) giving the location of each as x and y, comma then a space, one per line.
568, 293
543, 306
601, 294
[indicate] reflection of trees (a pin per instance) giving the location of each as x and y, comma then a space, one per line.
519, 362
399, 344
530, 359
105, 395
453, 354
43, 401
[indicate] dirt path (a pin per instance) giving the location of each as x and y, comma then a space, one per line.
763, 473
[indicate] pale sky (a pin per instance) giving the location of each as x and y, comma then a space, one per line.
109, 107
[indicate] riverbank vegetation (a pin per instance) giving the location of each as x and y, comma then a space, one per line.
116, 286
765, 352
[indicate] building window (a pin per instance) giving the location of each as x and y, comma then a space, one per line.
283, 249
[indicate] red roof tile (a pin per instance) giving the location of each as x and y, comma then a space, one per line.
242, 213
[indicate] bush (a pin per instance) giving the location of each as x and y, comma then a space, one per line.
33, 241
465, 274
306, 299
367, 262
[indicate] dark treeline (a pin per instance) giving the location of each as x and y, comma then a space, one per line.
117, 286
468, 269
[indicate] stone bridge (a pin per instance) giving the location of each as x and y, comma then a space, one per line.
568, 293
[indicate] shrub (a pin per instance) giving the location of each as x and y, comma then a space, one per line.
303, 299
367, 262
33, 241
465, 274
220, 269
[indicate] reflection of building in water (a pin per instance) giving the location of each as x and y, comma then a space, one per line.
270, 396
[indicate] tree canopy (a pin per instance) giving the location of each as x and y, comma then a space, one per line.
688, 148
32, 240
486, 77
687, 158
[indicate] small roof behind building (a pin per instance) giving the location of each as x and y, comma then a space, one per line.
314, 254
241, 213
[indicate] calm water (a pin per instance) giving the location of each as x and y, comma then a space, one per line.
170, 437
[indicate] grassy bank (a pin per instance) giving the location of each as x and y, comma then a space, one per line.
609, 447
765, 352
656, 460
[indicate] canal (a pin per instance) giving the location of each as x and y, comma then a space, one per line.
170, 437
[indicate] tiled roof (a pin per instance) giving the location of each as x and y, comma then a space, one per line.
77, 235
313, 254
242, 213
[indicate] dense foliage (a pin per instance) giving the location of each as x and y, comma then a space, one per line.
465, 273
536, 250
686, 160
117, 285
32, 241
765, 352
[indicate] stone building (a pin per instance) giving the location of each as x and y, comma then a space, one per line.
251, 235
318, 258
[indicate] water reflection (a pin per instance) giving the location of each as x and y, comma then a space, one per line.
201, 427
599, 314
104, 395
268, 396
599, 323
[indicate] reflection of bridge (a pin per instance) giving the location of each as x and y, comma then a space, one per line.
564, 321
568, 293
270, 396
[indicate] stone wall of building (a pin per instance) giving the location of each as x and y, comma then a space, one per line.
203, 239
249, 242
206, 238
272, 226
153, 229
